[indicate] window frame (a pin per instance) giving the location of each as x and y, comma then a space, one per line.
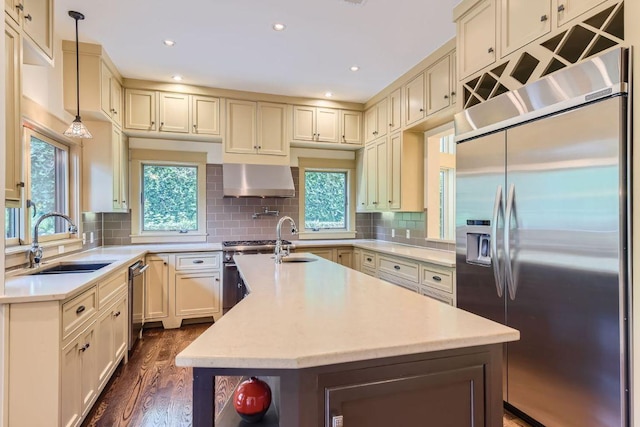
328, 165
140, 157
435, 162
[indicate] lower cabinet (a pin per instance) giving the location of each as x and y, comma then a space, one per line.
61, 354
183, 286
340, 255
344, 256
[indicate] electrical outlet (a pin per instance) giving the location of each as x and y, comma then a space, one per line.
393, 232
91, 237
60, 249
408, 234
84, 238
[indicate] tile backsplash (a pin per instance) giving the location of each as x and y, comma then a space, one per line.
92, 223
117, 229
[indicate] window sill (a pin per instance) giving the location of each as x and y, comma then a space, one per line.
315, 235
168, 238
19, 255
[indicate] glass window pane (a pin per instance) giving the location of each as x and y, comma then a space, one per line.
48, 184
11, 225
325, 198
170, 198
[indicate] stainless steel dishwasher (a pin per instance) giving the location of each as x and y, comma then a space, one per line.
136, 301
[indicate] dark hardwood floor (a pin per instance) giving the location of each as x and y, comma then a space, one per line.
151, 391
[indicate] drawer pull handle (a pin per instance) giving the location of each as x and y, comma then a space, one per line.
198, 261
437, 278
116, 314
80, 309
397, 267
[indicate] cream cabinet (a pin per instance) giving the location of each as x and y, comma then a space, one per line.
414, 95
13, 128
439, 85
157, 287
570, 9
105, 160
376, 121
351, 127
323, 252
357, 259
316, 124
256, 131
476, 38
183, 286
361, 181
170, 112
341, 255
35, 18
62, 353
522, 22
394, 110
405, 182
345, 256
100, 83
376, 175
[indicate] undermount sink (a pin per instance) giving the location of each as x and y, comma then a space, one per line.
298, 259
73, 267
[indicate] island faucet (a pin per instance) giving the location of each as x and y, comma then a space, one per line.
35, 254
279, 251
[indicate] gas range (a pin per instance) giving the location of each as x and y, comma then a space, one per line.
251, 246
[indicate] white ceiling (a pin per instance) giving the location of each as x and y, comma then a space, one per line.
230, 43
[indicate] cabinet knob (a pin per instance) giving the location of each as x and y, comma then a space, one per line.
161, 124
116, 314
20, 7
543, 18
490, 50
453, 94
561, 8
397, 267
369, 259
217, 280
195, 127
115, 112
124, 201
390, 124
85, 347
389, 201
446, 97
318, 136
422, 110
115, 200
28, 17
259, 147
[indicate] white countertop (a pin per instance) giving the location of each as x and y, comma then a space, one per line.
302, 315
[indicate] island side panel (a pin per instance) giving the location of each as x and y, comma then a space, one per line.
204, 381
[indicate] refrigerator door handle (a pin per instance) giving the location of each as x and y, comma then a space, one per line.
511, 285
495, 261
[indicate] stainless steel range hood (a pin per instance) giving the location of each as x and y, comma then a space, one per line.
243, 180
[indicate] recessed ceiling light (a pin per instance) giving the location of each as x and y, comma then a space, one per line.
354, 68
169, 43
177, 78
279, 27
328, 94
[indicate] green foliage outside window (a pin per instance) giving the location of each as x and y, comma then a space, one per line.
170, 198
325, 195
47, 184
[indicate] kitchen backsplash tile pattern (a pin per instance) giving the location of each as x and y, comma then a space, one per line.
92, 223
232, 219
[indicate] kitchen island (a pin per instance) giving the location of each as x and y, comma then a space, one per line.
342, 348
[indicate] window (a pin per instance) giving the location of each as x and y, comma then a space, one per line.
440, 177
327, 187
171, 193
447, 195
325, 201
11, 223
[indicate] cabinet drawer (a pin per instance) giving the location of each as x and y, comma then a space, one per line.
197, 261
369, 260
393, 279
436, 278
440, 296
111, 287
369, 272
403, 269
76, 311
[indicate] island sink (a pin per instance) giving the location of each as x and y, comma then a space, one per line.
72, 267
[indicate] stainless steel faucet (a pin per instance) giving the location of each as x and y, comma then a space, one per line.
279, 251
35, 254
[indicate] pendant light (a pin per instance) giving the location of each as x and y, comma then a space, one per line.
77, 129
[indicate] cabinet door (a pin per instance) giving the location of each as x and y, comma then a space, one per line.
116, 101
13, 153
157, 287
477, 38
272, 128
88, 370
116, 147
439, 85
104, 359
454, 78
523, 22
120, 316
414, 96
569, 9
105, 90
382, 126
140, 109
304, 128
393, 110
70, 388
327, 125
371, 161
383, 175
395, 173
370, 124
11, 7
174, 112
357, 260
326, 253
198, 293
351, 124
241, 127
345, 257
124, 171
361, 181
38, 24
206, 115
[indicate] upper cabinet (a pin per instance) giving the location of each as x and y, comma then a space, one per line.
13, 95
170, 112
100, 83
256, 133
439, 84
414, 95
394, 110
351, 125
477, 38
523, 22
376, 121
322, 124
570, 9
35, 18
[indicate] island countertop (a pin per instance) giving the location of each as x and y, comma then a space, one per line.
307, 314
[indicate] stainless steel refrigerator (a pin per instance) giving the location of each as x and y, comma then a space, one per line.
542, 224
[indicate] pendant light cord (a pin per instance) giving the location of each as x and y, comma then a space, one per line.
77, 71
